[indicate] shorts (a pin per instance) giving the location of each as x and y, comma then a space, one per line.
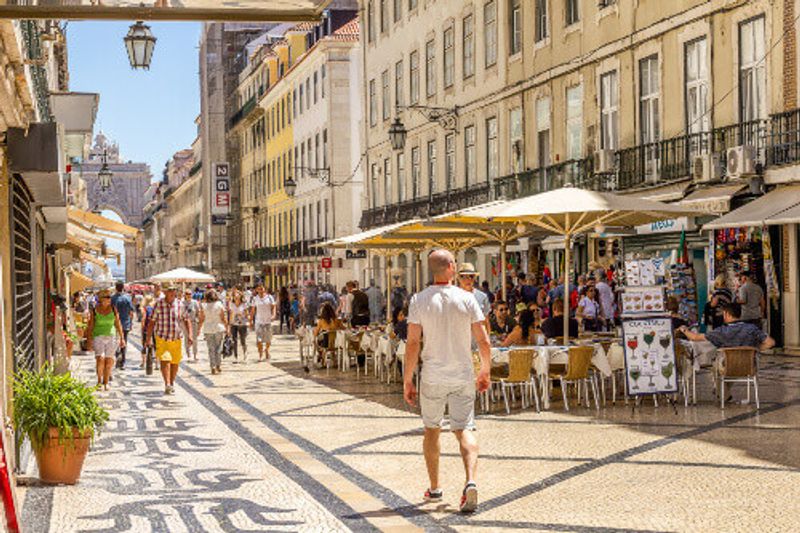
460, 401
169, 351
105, 346
264, 333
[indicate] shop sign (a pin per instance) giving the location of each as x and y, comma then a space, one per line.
667, 226
326, 262
355, 254
221, 199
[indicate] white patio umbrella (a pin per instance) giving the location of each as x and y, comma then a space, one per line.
182, 275
569, 211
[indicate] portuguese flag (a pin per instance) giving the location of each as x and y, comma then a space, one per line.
683, 250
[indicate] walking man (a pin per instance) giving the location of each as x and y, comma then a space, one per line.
264, 312
448, 317
124, 305
192, 309
169, 316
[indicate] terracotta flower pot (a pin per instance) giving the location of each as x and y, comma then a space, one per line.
61, 462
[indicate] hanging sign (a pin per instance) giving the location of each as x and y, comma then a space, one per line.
221, 195
650, 364
326, 262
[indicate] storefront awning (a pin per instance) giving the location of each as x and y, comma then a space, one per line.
78, 282
93, 222
665, 193
790, 216
715, 200
760, 211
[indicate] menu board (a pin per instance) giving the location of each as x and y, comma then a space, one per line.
650, 365
638, 300
643, 272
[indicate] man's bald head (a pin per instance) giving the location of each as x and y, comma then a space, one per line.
439, 262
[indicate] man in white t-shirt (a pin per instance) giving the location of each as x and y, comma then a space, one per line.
264, 311
449, 318
606, 297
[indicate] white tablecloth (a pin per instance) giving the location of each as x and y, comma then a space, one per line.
558, 355
702, 353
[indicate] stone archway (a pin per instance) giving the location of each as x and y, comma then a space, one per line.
127, 195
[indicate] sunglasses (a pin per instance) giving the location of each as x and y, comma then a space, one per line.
466, 276
502, 308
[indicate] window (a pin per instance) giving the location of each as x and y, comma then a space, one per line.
491, 148
574, 122
449, 56
490, 33
697, 117
412, 4
572, 13
515, 136
431, 167
387, 102
325, 148
450, 161
540, 20
387, 181
752, 81
609, 108
317, 154
398, 83
384, 15
401, 177
308, 93
415, 174
322, 82
294, 103
398, 10
288, 109
468, 50
469, 155
373, 104
430, 68
316, 89
300, 103
648, 100
514, 27
413, 82
543, 132
374, 183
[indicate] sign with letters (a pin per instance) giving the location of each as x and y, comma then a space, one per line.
355, 254
650, 364
667, 226
221, 197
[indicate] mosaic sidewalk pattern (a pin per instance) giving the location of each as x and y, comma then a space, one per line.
266, 447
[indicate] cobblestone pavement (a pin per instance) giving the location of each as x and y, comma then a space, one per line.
267, 447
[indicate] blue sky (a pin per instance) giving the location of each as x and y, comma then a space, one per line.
149, 113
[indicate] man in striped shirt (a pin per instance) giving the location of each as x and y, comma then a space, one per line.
169, 314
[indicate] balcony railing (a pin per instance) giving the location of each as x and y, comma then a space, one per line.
295, 250
784, 138
243, 111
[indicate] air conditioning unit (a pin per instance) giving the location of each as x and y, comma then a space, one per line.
706, 168
603, 162
741, 161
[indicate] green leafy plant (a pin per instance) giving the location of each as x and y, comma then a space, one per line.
44, 400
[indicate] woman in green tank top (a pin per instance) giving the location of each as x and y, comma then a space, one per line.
103, 335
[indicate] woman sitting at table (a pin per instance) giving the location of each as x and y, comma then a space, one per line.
399, 324
327, 324
589, 310
525, 331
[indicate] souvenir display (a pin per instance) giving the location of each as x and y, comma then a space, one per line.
650, 364
681, 285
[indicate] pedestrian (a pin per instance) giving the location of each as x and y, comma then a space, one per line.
192, 309
104, 322
285, 309
239, 317
263, 312
295, 310
310, 304
467, 277
606, 296
375, 297
360, 306
169, 319
147, 316
448, 317
751, 298
589, 310
124, 306
346, 302
214, 323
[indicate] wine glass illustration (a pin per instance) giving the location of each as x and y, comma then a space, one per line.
649, 338
635, 373
652, 370
633, 343
666, 371
664, 341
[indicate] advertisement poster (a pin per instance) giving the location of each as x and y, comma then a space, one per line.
642, 300
649, 356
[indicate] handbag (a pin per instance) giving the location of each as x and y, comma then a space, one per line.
227, 346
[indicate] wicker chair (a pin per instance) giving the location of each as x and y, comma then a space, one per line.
519, 375
579, 360
738, 364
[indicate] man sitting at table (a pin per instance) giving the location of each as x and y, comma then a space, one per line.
501, 320
554, 326
734, 332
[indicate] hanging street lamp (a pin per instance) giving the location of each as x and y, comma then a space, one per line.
397, 134
140, 43
290, 186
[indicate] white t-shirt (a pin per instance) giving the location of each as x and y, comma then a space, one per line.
446, 314
483, 301
591, 309
212, 322
265, 306
606, 297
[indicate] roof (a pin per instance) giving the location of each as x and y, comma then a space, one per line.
760, 211
348, 32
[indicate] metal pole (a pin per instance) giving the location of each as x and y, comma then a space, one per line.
503, 271
566, 287
417, 272
388, 289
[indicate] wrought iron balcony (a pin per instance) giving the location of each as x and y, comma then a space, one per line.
243, 111
784, 138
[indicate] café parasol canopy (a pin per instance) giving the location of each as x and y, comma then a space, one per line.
182, 275
569, 211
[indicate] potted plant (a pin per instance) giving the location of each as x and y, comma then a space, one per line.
60, 415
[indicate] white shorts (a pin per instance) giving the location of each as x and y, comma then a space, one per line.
105, 346
459, 399
264, 333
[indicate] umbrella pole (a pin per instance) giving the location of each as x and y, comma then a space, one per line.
567, 298
388, 290
417, 272
503, 271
